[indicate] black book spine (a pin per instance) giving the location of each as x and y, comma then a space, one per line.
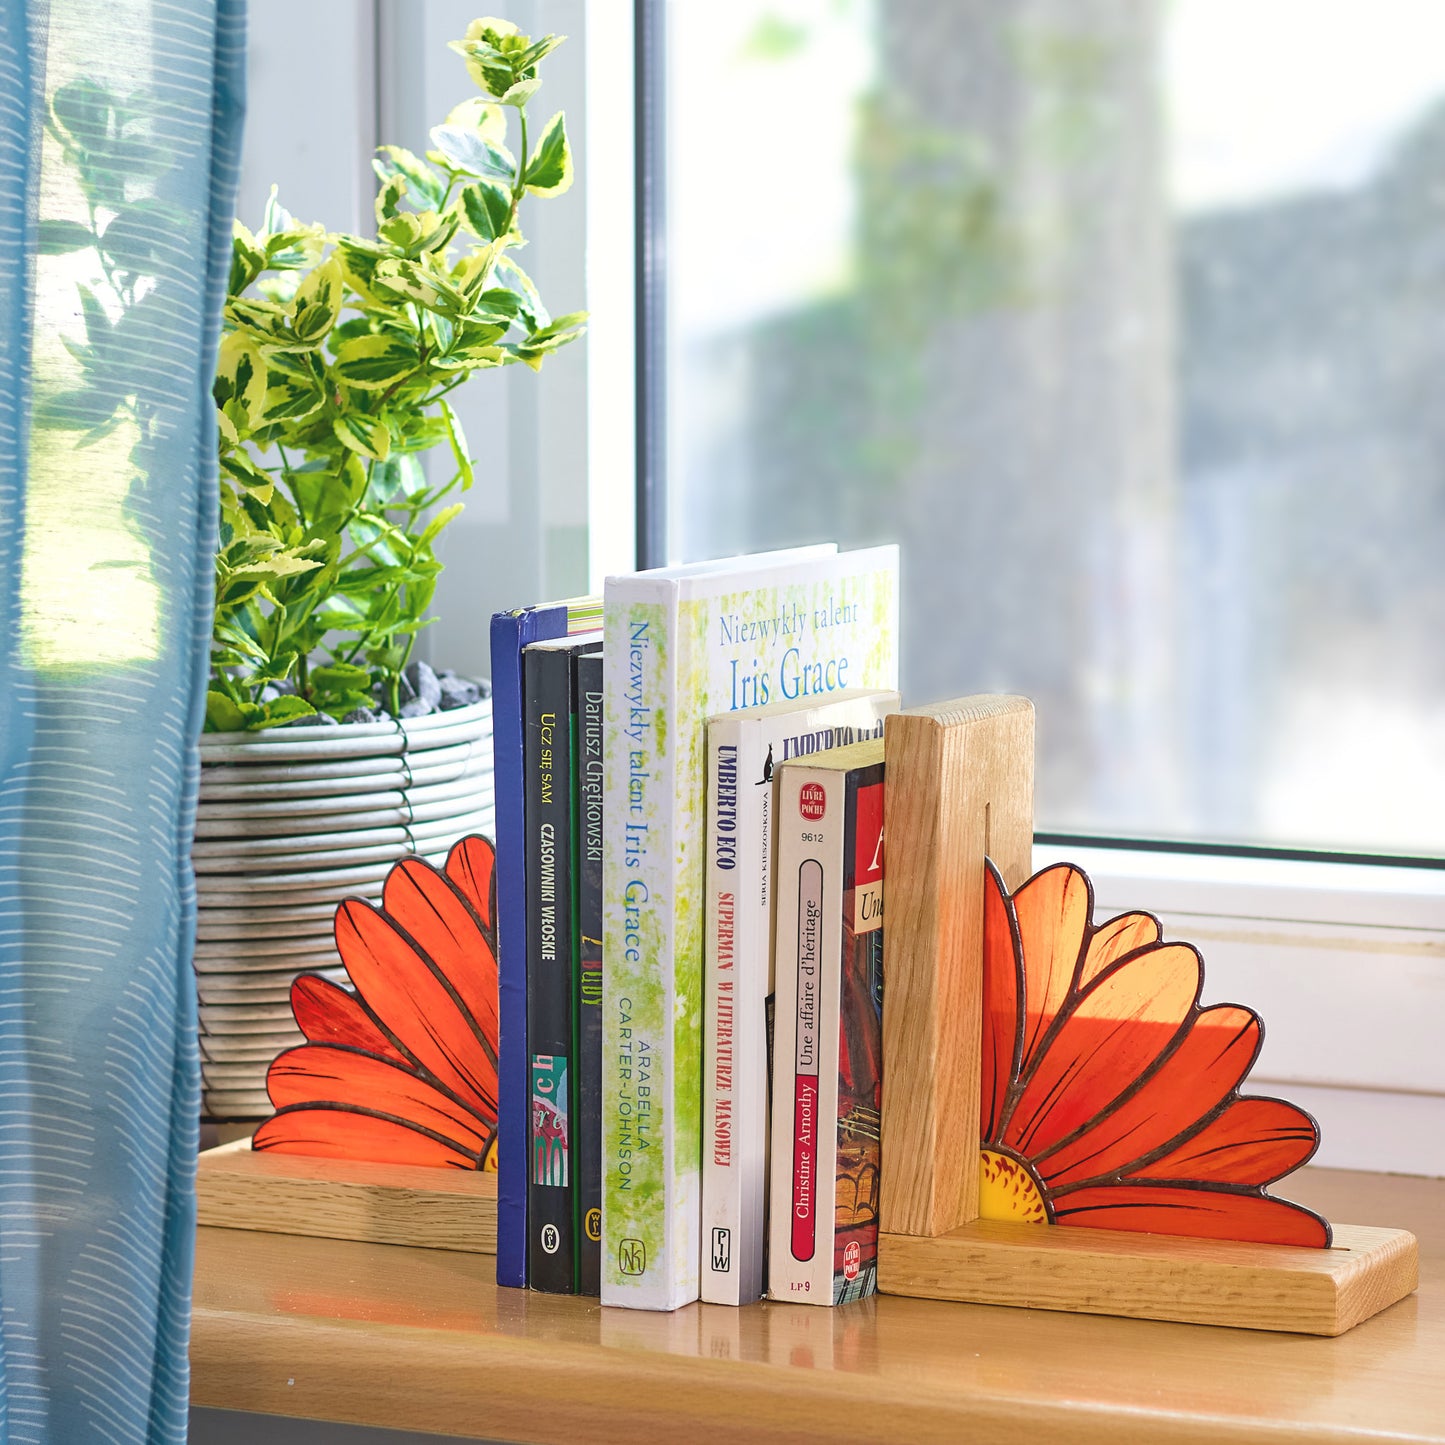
587, 1005
551, 1244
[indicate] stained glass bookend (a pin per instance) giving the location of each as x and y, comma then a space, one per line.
1106, 1158
386, 1118
402, 1067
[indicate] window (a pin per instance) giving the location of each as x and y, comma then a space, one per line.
1123, 318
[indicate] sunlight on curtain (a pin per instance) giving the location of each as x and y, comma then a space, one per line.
88, 593
119, 142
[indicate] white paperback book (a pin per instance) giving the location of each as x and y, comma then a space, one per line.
743, 749
682, 645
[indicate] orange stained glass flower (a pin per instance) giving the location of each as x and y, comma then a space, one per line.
404, 1069
1110, 1095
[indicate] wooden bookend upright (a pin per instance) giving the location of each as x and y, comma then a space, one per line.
960, 788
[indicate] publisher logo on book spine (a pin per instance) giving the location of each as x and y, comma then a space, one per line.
812, 801
721, 1251
852, 1257
632, 1257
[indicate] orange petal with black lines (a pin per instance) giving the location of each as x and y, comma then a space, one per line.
1115, 939
328, 1014
331, 1133
1115, 1031
1002, 996
471, 866
417, 1006
425, 906
1200, 1212
1052, 910
1208, 1064
1252, 1141
350, 1078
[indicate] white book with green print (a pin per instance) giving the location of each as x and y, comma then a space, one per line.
684, 644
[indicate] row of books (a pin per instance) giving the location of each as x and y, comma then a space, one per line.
794, 889
619, 1126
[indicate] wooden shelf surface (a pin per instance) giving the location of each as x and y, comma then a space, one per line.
423, 1339
239, 1188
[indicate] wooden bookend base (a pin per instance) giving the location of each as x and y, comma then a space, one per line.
1158, 1277
960, 788
238, 1188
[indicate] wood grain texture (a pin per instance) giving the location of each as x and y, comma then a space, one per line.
960, 788
424, 1340
238, 1188
1157, 1277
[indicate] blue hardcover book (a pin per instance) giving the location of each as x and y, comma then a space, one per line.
511, 632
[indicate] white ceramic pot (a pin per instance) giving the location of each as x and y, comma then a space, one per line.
290, 822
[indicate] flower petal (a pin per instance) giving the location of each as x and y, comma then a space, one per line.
1053, 910
332, 1133
1201, 1212
1209, 1063
350, 1078
416, 1006
1251, 1141
329, 1014
1111, 941
1114, 1032
471, 866
1002, 1003
421, 902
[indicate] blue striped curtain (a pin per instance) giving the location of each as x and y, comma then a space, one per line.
119, 151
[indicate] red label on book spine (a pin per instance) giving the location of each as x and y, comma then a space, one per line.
805, 1077
805, 1165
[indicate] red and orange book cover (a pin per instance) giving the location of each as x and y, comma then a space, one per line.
860, 1045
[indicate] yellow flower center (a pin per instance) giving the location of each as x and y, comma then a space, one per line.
1007, 1190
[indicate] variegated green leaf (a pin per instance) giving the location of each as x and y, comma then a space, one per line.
549, 170
318, 301
458, 441
276, 217
364, 434
416, 282
472, 274
529, 301
480, 115
519, 93
388, 201
287, 402
248, 257
280, 564
241, 373
488, 209
422, 182
472, 153
375, 362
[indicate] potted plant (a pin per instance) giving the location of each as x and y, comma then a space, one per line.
338, 358
336, 364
